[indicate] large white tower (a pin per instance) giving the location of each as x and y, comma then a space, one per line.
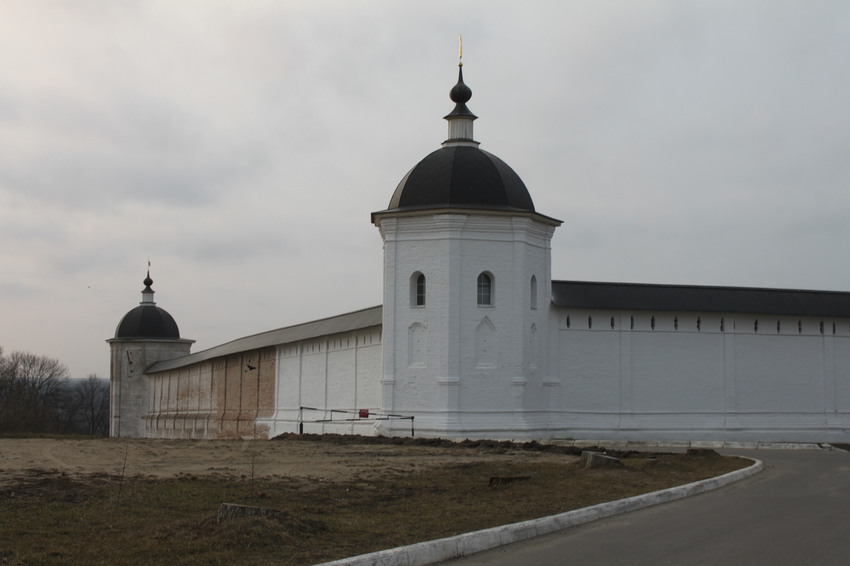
467, 292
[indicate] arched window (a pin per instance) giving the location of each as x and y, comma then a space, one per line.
417, 290
533, 292
485, 290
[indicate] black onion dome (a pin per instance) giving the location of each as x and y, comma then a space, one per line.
462, 176
460, 95
147, 321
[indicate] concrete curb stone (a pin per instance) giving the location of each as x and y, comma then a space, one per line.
440, 550
684, 444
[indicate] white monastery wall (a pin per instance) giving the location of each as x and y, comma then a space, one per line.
260, 393
601, 375
339, 372
220, 398
669, 376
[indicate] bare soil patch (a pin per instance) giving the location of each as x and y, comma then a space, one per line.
117, 501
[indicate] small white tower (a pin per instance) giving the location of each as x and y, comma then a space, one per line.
467, 288
145, 335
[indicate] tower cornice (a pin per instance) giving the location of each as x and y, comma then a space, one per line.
377, 217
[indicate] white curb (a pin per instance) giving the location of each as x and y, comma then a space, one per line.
443, 549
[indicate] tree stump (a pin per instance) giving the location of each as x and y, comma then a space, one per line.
597, 460
232, 511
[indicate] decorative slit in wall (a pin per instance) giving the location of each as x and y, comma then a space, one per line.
533, 292
568, 321
756, 326
675, 323
652, 322
699, 324
778, 326
631, 322
799, 327
833, 328
821, 327
722, 325
589, 322
612, 323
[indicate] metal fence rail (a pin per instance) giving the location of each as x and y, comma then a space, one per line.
351, 415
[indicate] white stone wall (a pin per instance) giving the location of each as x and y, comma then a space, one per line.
590, 374
463, 369
673, 376
339, 372
224, 397
183, 403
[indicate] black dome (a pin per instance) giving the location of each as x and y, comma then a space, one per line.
147, 321
462, 176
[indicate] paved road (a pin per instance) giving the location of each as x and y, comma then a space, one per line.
796, 512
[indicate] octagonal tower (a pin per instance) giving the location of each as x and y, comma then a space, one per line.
145, 335
467, 288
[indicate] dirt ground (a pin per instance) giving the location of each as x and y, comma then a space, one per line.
153, 458
155, 502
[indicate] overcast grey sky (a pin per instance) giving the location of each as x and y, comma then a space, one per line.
242, 145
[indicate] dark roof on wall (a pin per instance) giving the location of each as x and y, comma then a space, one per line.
461, 176
348, 322
653, 297
147, 321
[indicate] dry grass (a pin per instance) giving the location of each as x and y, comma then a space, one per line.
53, 518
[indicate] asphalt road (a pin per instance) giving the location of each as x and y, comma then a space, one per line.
796, 512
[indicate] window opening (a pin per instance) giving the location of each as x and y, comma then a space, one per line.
417, 290
485, 290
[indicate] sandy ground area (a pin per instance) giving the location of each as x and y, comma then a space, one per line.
265, 458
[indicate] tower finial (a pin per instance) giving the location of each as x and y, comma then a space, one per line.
147, 292
460, 119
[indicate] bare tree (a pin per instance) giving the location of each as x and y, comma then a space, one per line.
31, 388
90, 400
